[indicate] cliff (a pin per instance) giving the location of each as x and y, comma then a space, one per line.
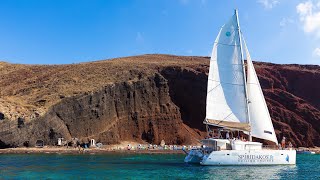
143, 98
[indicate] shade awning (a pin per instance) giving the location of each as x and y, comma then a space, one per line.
230, 125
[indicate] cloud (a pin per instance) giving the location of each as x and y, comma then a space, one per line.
304, 9
268, 4
309, 14
286, 21
316, 53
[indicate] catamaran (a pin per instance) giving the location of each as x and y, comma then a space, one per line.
235, 102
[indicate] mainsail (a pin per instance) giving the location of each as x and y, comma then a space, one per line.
226, 94
260, 121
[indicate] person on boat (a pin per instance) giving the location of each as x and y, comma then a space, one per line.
283, 142
210, 135
203, 146
290, 145
219, 134
215, 135
227, 135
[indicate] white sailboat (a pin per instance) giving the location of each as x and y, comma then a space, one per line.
235, 102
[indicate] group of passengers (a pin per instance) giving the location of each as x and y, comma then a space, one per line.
282, 145
218, 135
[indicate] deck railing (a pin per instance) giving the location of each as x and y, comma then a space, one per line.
274, 147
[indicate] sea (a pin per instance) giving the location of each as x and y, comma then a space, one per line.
143, 166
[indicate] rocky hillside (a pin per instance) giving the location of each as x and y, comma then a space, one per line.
143, 98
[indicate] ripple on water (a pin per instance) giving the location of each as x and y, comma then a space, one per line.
144, 166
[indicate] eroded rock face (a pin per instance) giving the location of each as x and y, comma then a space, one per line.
291, 92
188, 90
161, 99
1, 116
292, 95
134, 111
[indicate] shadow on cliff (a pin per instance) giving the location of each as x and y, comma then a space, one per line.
4, 145
187, 89
164, 99
139, 110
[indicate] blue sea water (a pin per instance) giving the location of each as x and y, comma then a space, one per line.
143, 166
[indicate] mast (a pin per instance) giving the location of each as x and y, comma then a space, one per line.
244, 70
226, 104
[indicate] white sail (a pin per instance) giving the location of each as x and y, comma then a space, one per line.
228, 106
260, 120
226, 99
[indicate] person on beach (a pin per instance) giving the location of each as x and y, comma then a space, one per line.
79, 148
129, 147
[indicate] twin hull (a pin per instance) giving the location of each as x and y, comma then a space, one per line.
243, 157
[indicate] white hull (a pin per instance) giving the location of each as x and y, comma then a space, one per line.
245, 157
194, 156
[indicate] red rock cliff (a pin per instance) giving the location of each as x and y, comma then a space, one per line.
143, 98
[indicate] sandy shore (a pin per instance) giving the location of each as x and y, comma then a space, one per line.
71, 150
104, 150
316, 149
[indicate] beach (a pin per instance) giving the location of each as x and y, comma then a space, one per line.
71, 150
117, 148
315, 149
103, 150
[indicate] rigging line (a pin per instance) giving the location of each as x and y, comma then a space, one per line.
225, 82
227, 116
224, 118
225, 63
213, 88
254, 84
219, 63
225, 44
216, 102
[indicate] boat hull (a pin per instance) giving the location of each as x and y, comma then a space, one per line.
194, 156
250, 157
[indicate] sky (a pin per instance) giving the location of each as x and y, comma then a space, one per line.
73, 31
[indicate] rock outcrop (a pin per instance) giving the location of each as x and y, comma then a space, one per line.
146, 98
139, 110
293, 99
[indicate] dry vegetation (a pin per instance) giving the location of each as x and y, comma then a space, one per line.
28, 90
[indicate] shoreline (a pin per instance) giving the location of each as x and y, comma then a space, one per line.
103, 150
63, 150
